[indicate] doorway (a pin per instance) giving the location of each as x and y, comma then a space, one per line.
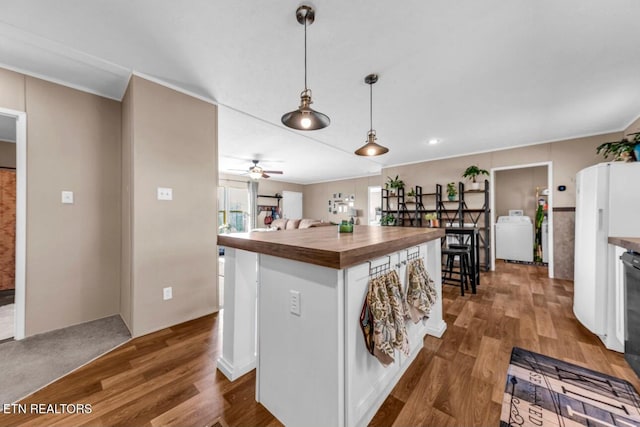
374, 211
13, 190
522, 214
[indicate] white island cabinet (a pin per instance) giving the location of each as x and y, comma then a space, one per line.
312, 364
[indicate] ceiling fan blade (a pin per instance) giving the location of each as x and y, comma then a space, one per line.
275, 172
264, 175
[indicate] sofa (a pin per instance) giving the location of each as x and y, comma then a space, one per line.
293, 224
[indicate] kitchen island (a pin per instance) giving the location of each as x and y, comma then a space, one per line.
313, 367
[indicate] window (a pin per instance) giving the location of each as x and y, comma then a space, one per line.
233, 209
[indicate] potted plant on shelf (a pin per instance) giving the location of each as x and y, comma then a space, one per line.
411, 195
451, 191
388, 219
472, 172
624, 150
394, 184
433, 219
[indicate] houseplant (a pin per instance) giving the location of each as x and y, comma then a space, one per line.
472, 172
394, 184
624, 150
433, 219
411, 196
451, 191
388, 219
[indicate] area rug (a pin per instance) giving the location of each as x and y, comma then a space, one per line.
34, 362
543, 391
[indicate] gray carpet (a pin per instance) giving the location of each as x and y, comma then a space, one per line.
30, 364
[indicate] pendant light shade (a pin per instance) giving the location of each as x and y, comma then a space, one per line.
305, 117
371, 148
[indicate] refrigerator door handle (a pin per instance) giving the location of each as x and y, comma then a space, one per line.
600, 215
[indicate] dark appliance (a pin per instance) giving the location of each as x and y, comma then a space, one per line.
631, 261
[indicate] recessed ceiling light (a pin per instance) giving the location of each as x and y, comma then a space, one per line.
433, 141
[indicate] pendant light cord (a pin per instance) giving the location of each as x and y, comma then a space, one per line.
305, 54
371, 105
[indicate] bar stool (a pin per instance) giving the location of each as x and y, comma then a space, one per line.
463, 252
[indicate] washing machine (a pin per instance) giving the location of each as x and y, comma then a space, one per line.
514, 238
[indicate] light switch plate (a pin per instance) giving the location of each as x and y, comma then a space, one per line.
167, 293
165, 193
67, 197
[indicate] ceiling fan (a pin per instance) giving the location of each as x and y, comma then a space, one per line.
257, 172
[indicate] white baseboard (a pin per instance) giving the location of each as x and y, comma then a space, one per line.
438, 329
233, 373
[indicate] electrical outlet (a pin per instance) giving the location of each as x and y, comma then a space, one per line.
167, 293
67, 197
165, 193
294, 302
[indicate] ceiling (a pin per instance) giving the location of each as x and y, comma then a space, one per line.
477, 75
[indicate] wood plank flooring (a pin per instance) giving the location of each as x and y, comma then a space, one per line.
170, 377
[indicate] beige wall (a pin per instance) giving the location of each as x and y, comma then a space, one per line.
568, 157
516, 189
317, 196
12, 90
633, 127
174, 144
126, 191
7, 154
73, 251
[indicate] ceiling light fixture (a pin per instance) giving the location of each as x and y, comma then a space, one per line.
255, 172
434, 141
371, 148
305, 118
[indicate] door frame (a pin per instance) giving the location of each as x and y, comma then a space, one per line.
21, 220
492, 201
369, 191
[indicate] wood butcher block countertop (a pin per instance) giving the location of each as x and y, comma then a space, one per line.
630, 243
326, 247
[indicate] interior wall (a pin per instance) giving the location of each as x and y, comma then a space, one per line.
317, 196
73, 250
568, 158
174, 144
516, 189
633, 127
12, 90
7, 154
126, 192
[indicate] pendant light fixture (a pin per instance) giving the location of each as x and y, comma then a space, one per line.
371, 148
305, 118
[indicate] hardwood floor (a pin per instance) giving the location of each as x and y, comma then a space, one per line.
170, 377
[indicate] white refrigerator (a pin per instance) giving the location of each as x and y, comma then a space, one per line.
607, 204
